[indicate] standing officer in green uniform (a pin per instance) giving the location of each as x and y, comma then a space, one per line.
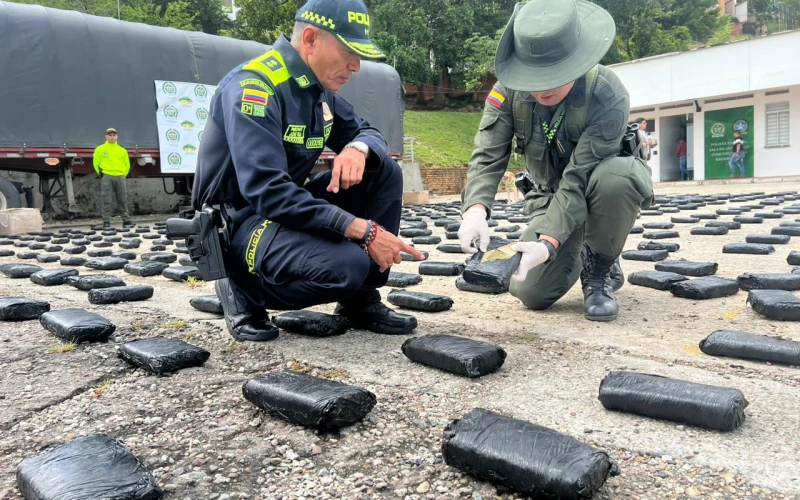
566, 114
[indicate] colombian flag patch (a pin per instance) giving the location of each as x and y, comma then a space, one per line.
255, 96
496, 98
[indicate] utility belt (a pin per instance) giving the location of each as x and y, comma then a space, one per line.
630, 145
205, 232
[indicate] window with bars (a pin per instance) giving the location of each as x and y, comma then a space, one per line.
777, 125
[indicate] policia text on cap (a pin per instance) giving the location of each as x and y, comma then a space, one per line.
293, 244
567, 115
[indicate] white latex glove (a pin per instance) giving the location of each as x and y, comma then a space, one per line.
474, 226
534, 253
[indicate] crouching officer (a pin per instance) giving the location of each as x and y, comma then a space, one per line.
296, 242
567, 115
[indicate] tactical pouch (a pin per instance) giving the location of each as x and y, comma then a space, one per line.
204, 231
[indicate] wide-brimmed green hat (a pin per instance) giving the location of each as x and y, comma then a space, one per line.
548, 43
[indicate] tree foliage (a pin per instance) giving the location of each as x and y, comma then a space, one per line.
264, 20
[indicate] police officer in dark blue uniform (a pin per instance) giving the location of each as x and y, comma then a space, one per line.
296, 242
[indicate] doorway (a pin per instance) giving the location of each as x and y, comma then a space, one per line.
673, 129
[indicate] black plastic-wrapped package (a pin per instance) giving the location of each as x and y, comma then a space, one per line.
207, 303
81, 242
144, 269
94, 281
794, 258
444, 222
97, 467
748, 220
708, 406
36, 246
53, 248
686, 268
420, 301
414, 232
453, 227
660, 235
441, 268
410, 258
113, 239
769, 215
402, 280
72, 261
6, 242
685, 220
655, 279
309, 401
186, 261
645, 255
52, 277
771, 239
723, 223
165, 257
166, 243
162, 354
654, 245
748, 248
709, 231
514, 236
459, 355
158, 248
651, 213
530, 459
117, 294
413, 224
524, 219
102, 252
129, 244
786, 230
469, 287
110, 232
709, 287
75, 250
27, 255
312, 323
494, 274
5, 252
781, 305
507, 229
450, 248
733, 344
150, 236
102, 244
658, 225
77, 325
124, 255
18, 271
21, 308
451, 235
106, 263
426, 240
181, 273
183, 250
637, 230
785, 281
47, 258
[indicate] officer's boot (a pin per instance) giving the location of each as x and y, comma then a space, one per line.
599, 303
378, 318
616, 277
244, 321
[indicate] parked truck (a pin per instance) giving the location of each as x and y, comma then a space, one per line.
66, 76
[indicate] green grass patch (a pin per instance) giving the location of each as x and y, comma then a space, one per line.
444, 138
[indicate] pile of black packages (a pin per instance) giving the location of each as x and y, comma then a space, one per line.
530, 459
21, 308
709, 287
712, 407
52, 277
781, 305
309, 401
459, 355
786, 281
312, 323
92, 467
18, 271
493, 276
733, 344
117, 294
162, 355
402, 280
420, 301
207, 303
77, 325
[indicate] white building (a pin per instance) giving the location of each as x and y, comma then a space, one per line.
752, 85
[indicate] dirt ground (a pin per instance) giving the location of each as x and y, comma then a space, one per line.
202, 439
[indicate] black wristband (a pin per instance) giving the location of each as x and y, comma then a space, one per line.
550, 248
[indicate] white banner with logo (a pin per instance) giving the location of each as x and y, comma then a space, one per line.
182, 114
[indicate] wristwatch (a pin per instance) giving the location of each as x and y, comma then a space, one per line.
358, 146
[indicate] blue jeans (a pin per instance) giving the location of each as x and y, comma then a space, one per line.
737, 159
684, 173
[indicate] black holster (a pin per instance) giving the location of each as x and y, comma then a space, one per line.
206, 232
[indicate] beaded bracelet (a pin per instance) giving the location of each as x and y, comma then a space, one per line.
372, 233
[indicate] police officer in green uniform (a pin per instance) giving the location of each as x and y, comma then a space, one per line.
566, 114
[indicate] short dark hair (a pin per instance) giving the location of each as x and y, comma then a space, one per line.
640, 120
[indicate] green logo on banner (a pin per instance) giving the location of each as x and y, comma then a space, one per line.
169, 88
200, 91
185, 100
202, 114
171, 112
189, 148
174, 159
187, 124
173, 135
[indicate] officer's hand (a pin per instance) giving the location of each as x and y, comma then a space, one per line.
348, 169
534, 254
386, 248
474, 227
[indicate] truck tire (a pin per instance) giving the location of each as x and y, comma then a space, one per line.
9, 195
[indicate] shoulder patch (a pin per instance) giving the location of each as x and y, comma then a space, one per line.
272, 66
495, 98
612, 126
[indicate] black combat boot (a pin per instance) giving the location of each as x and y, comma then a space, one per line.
378, 318
616, 277
244, 322
599, 303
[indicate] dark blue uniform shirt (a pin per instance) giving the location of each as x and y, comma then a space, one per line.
269, 122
